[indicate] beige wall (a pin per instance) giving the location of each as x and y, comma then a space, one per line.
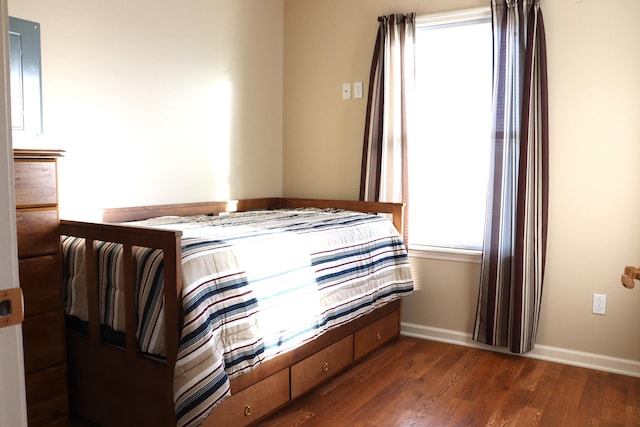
594, 78
184, 96
594, 230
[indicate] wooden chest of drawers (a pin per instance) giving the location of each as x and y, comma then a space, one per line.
35, 173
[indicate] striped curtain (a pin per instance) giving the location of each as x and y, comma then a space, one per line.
384, 156
515, 240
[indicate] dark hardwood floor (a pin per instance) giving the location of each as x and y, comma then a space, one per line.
414, 382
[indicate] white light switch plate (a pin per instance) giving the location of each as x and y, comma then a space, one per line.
346, 90
357, 90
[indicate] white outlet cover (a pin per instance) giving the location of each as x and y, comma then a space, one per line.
599, 304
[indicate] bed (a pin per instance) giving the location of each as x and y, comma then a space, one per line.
175, 343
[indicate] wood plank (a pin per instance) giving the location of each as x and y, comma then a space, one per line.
43, 343
93, 304
615, 401
131, 319
589, 409
417, 382
136, 213
562, 408
37, 231
127, 392
31, 153
35, 182
40, 282
47, 400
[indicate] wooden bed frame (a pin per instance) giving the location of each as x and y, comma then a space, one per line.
115, 386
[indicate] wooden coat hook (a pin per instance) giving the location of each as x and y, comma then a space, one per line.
629, 275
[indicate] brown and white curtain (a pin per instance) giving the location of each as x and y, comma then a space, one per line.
513, 262
384, 156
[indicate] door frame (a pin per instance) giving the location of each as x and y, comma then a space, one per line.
13, 407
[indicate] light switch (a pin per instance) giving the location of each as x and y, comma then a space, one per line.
357, 90
346, 90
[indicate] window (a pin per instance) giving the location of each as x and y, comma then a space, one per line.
449, 144
26, 98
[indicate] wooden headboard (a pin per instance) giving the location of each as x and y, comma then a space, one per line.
214, 208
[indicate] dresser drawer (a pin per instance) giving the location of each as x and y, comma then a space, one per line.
37, 232
321, 366
253, 403
375, 335
35, 182
40, 283
47, 396
43, 338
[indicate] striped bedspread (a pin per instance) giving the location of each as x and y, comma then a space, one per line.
255, 285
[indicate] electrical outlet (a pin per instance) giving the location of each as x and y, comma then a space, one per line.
599, 304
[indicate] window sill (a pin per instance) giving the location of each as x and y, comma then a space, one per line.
446, 254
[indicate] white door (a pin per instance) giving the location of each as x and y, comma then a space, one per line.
13, 411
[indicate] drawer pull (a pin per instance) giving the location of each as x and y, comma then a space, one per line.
379, 336
247, 411
325, 367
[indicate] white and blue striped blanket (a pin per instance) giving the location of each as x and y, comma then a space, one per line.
255, 285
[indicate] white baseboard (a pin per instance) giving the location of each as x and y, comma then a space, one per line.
542, 352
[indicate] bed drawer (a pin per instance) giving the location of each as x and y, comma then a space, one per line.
375, 335
253, 403
40, 283
43, 341
35, 182
321, 366
47, 396
37, 232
